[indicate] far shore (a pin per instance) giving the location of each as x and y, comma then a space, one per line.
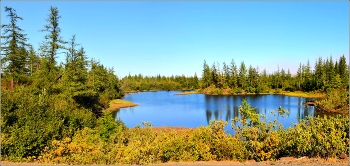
118, 103
293, 94
227, 92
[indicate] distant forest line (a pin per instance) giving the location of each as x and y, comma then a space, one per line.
238, 79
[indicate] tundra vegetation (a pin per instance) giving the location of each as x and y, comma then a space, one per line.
54, 113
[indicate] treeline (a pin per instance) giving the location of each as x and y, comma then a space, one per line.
237, 79
145, 83
43, 100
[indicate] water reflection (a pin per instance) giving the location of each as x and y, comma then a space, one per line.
164, 109
218, 107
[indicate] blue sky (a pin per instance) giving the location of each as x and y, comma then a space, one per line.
174, 38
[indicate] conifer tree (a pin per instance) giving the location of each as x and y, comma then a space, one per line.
50, 73
53, 40
206, 75
299, 80
15, 54
34, 61
318, 79
214, 75
195, 81
227, 76
234, 75
242, 75
343, 71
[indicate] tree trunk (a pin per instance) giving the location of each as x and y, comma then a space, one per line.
11, 84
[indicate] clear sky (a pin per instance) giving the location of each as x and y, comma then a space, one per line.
174, 38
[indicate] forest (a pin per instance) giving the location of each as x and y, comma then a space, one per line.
243, 79
147, 83
53, 112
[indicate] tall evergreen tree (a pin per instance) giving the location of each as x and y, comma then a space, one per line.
234, 74
330, 69
227, 76
307, 77
75, 75
318, 78
214, 75
283, 79
242, 75
195, 81
299, 78
53, 40
206, 75
14, 48
34, 61
50, 73
263, 78
343, 71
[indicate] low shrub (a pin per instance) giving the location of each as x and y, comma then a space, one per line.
253, 139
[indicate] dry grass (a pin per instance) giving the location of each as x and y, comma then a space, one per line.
177, 130
281, 161
186, 93
305, 94
118, 103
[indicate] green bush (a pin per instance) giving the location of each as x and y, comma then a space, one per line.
236, 90
30, 121
251, 89
313, 137
108, 126
318, 137
337, 99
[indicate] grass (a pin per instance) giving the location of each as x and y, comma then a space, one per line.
132, 91
305, 94
118, 103
186, 93
168, 129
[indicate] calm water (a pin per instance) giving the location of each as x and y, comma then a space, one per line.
166, 109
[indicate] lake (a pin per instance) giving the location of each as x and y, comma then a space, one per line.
163, 108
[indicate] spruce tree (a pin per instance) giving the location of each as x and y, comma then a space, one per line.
214, 75
206, 75
343, 71
242, 78
234, 75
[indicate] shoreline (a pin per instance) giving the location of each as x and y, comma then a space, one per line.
119, 103
292, 94
317, 95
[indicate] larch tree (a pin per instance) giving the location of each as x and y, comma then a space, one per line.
34, 61
14, 52
53, 42
76, 72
